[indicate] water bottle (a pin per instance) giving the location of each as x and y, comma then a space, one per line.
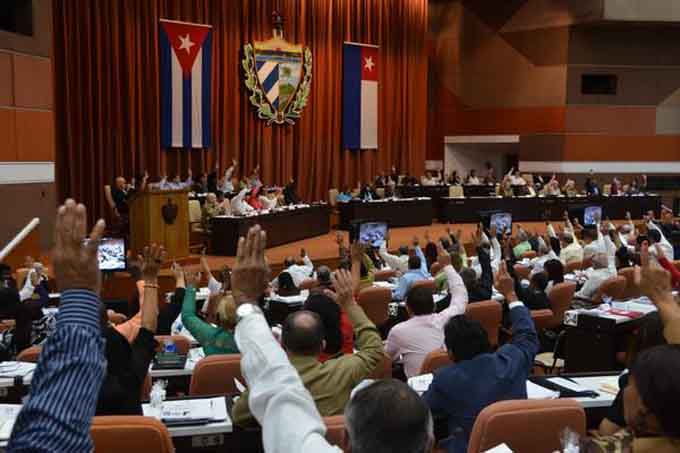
170, 346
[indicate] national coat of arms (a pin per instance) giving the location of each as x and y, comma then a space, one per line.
278, 75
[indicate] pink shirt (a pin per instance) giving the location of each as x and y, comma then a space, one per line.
412, 340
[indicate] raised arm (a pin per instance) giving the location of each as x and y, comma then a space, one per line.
71, 367
201, 330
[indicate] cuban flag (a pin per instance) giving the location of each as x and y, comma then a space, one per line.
360, 96
185, 71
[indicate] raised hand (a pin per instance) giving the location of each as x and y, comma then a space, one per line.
504, 283
653, 281
178, 272
150, 262
75, 255
344, 288
250, 276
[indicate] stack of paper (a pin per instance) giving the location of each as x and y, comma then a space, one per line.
8, 415
202, 410
536, 392
421, 383
16, 369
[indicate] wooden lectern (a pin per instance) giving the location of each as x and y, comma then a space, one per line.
160, 217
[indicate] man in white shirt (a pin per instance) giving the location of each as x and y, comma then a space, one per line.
299, 272
285, 409
34, 278
571, 251
594, 242
516, 178
656, 236
227, 183
412, 340
598, 275
239, 205
472, 179
176, 183
545, 254
399, 262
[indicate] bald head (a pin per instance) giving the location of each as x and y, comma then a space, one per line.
120, 182
303, 333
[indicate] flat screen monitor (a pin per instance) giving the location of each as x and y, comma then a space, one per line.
592, 215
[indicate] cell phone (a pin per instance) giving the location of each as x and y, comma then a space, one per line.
502, 221
591, 215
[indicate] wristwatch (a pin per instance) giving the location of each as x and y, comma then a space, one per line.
245, 310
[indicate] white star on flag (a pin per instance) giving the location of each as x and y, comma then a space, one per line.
186, 43
369, 63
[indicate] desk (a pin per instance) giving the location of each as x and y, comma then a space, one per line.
538, 209
395, 212
282, 227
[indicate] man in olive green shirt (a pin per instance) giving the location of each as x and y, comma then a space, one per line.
330, 383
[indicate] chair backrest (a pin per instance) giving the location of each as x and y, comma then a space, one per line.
375, 302
435, 360
308, 284
194, 211
385, 275
30, 354
456, 192
333, 197
425, 284
383, 370
560, 296
335, 430
214, 375
489, 314
435, 268
182, 343
572, 266
109, 197
521, 271
130, 433
529, 254
380, 192
607, 189
632, 290
514, 423
614, 287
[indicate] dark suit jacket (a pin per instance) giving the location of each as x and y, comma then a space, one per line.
483, 290
459, 392
127, 366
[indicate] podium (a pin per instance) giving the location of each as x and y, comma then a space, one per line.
160, 217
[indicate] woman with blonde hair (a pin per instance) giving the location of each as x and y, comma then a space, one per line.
215, 339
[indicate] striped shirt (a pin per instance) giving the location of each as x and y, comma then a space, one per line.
66, 382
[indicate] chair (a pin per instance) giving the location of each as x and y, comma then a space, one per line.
380, 191
383, 276
308, 284
214, 375
489, 314
195, 216
425, 284
515, 423
375, 302
529, 254
521, 271
383, 370
335, 430
130, 433
30, 354
182, 343
560, 297
435, 268
456, 192
613, 287
607, 189
572, 266
632, 290
435, 360
333, 197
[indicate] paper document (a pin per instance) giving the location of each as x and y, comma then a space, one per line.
502, 448
421, 383
208, 409
8, 415
536, 392
15, 369
567, 384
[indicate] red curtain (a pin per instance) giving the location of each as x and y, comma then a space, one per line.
108, 106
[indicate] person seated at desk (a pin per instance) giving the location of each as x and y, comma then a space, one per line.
176, 183
239, 206
454, 179
506, 190
552, 188
367, 193
489, 173
430, 179
36, 286
417, 270
344, 196
330, 383
139, 183
423, 332
591, 186
570, 249
253, 180
523, 245
595, 277
229, 182
652, 394
127, 363
299, 271
480, 377
211, 208
479, 288
338, 330
213, 340
290, 195
516, 177
253, 198
397, 262
472, 179
270, 200
545, 253
285, 285
569, 188
201, 186
534, 296
655, 236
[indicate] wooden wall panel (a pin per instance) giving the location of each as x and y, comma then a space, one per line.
6, 94
542, 147
614, 120
29, 201
8, 149
32, 82
621, 148
527, 120
34, 135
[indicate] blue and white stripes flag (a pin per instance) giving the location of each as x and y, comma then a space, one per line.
185, 70
360, 96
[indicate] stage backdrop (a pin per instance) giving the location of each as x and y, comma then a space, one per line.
107, 91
